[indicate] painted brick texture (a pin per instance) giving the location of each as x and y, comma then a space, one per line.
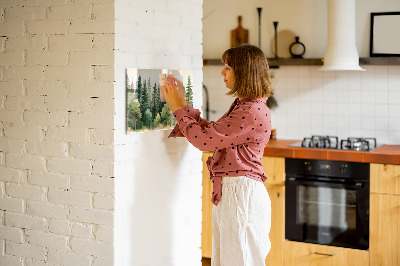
158, 180
56, 132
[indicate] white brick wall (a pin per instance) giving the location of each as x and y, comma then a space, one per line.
56, 132
153, 174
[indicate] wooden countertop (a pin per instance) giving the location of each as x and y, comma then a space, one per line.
389, 154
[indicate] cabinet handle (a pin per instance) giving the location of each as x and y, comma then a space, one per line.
324, 254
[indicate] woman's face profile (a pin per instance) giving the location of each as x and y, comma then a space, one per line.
229, 76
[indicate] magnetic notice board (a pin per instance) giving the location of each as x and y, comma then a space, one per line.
385, 34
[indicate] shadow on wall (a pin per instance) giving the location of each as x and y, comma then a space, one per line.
156, 192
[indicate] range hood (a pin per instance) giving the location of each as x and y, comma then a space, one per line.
341, 51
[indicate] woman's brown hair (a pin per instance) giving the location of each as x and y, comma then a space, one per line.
250, 66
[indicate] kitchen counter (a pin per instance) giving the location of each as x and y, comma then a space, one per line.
388, 154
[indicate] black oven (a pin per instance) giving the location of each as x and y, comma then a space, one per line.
327, 202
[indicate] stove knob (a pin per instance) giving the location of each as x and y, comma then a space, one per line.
343, 168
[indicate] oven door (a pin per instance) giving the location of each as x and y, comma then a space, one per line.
327, 213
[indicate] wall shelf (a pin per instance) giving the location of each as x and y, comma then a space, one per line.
274, 63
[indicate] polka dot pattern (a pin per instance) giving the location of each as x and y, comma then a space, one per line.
238, 139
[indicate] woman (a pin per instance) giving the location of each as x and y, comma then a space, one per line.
242, 208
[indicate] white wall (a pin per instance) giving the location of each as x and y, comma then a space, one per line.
56, 132
305, 18
344, 103
158, 180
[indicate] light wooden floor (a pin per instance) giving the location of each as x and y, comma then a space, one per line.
206, 261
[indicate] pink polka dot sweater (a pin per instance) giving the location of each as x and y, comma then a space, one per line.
238, 139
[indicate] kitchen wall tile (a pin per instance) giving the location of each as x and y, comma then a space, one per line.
394, 97
304, 82
355, 109
342, 122
380, 71
367, 133
381, 136
394, 110
382, 123
368, 122
393, 71
342, 109
355, 132
355, 96
367, 110
342, 96
394, 123
328, 74
394, 83
381, 97
355, 122
394, 137
382, 110
291, 71
329, 109
365, 99
315, 72
317, 108
304, 72
367, 96
292, 83
354, 83
381, 84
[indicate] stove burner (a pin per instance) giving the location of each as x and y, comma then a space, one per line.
328, 142
332, 142
358, 144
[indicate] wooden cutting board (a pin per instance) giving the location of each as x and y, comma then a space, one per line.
239, 35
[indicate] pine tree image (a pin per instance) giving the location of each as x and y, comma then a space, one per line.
134, 114
143, 99
189, 92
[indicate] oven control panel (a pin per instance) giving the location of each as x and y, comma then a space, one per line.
336, 169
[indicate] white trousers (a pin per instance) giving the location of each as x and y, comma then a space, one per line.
241, 223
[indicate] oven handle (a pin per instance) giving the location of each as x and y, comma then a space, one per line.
357, 185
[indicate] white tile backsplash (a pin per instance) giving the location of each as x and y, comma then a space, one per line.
345, 103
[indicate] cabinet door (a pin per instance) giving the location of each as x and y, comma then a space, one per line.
385, 178
206, 226
384, 229
274, 168
304, 254
277, 233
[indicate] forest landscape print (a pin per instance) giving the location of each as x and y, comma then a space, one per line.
145, 109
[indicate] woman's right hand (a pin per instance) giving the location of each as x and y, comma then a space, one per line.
181, 92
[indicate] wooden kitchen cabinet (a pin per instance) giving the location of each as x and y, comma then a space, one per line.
384, 236
274, 168
385, 178
305, 254
206, 225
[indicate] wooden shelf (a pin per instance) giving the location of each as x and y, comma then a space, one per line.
380, 61
274, 63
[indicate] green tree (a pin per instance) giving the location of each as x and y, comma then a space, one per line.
147, 119
134, 114
144, 98
155, 100
138, 91
157, 121
165, 116
189, 92
149, 93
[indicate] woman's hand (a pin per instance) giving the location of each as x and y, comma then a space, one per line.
171, 94
181, 93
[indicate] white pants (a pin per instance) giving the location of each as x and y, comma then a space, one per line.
241, 223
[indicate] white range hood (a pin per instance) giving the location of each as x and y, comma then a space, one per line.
341, 51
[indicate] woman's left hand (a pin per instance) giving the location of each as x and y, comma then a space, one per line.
171, 94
